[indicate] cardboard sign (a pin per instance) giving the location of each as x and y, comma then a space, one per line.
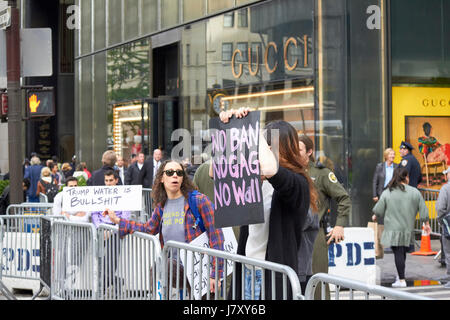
354, 258
237, 176
229, 245
99, 198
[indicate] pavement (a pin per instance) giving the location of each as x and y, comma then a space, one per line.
417, 267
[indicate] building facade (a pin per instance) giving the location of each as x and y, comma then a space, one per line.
144, 68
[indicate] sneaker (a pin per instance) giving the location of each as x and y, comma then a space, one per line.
399, 284
447, 285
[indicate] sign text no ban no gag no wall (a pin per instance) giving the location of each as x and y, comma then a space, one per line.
237, 177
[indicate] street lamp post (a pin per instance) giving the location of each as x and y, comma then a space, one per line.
14, 104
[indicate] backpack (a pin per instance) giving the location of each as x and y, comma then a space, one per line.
51, 190
193, 205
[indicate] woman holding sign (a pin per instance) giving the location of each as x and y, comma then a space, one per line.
173, 218
288, 192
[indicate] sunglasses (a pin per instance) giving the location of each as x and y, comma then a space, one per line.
171, 172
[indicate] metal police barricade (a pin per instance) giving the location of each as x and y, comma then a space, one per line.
30, 208
430, 196
74, 265
176, 275
43, 198
147, 206
128, 267
20, 253
356, 289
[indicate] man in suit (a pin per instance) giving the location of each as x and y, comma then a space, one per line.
151, 166
120, 165
383, 173
410, 163
109, 159
134, 172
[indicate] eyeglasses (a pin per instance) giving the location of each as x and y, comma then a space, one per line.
171, 172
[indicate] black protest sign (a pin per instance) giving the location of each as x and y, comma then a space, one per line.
237, 177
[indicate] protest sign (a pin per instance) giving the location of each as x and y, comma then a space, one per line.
237, 176
99, 198
229, 245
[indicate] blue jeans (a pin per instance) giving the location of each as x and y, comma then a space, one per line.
248, 283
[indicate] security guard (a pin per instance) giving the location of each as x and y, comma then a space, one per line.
328, 188
411, 164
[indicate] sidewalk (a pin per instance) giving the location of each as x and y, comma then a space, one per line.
417, 267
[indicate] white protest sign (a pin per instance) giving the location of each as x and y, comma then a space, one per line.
99, 198
354, 258
229, 245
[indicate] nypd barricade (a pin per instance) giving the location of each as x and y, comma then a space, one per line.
354, 257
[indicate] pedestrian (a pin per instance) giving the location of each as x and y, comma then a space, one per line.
33, 173
383, 173
120, 165
411, 164
151, 166
134, 174
288, 192
111, 246
85, 169
443, 212
171, 192
66, 171
398, 205
47, 185
56, 175
109, 159
4, 198
318, 233
79, 172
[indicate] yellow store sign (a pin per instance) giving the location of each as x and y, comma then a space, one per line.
421, 116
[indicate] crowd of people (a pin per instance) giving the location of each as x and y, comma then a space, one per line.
297, 193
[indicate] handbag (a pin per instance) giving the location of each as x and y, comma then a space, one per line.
377, 230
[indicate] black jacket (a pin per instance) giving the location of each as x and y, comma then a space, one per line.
147, 173
98, 177
378, 179
410, 163
290, 204
133, 175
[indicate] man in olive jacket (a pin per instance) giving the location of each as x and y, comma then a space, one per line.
328, 188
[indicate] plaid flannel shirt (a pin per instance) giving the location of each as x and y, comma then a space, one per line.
153, 226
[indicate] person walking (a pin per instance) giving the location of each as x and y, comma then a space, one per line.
410, 163
151, 166
443, 211
398, 205
134, 174
313, 253
171, 191
288, 193
109, 159
383, 173
33, 173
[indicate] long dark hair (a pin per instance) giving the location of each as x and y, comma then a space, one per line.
159, 193
398, 178
289, 152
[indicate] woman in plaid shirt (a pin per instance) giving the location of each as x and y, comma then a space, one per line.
172, 218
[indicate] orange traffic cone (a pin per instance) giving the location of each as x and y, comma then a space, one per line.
425, 245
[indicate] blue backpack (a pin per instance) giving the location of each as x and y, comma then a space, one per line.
193, 205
